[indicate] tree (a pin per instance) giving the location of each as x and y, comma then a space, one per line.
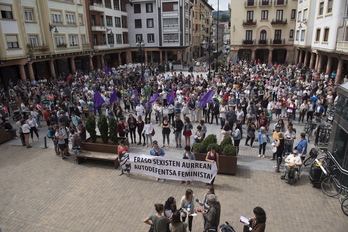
90, 127
103, 128
113, 130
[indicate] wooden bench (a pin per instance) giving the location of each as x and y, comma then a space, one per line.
5, 136
97, 156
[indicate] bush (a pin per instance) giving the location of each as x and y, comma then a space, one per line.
209, 140
229, 150
217, 147
90, 127
113, 130
199, 148
103, 128
226, 141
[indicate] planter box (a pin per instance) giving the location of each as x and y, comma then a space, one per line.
228, 164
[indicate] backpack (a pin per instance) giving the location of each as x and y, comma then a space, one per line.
77, 140
50, 133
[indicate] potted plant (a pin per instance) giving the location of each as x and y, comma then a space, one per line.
90, 127
103, 128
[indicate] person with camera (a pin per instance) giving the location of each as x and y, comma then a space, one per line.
157, 151
212, 215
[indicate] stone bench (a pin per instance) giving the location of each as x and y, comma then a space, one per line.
80, 157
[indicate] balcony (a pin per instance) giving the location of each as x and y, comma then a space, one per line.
98, 28
38, 50
96, 6
86, 46
278, 41
342, 46
279, 22
262, 41
249, 22
248, 42
280, 2
250, 3
265, 2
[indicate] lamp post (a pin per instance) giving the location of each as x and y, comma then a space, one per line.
140, 44
208, 46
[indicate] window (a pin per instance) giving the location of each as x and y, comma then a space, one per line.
109, 21
83, 39
93, 22
171, 22
73, 40
33, 40
263, 35
277, 34
305, 15
321, 8
138, 37
116, 5
171, 37
12, 41
137, 8
60, 41
150, 38
303, 33
28, 15
293, 13
299, 16
170, 6
250, 3
149, 23
296, 37
265, 2
95, 39
329, 6
250, 15
137, 23
111, 39
249, 35
124, 23
326, 34
57, 17
149, 8
6, 12
125, 37
81, 19
291, 34
118, 38
264, 14
117, 22
70, 18
317, 35
279, 15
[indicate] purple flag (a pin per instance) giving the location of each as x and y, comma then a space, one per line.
170, 97
106, 69
113, 97
98, 100
207, 97
136, 95
153, 98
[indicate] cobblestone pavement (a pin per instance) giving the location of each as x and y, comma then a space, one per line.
41, 192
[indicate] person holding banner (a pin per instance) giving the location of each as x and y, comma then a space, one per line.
188, 154
159, 222
157, 151
122, 159
213, 156
188, 207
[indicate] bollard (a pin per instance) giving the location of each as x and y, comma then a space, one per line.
45, 141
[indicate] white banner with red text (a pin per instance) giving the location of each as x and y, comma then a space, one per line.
172, 169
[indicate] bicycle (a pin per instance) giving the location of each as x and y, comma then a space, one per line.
331, 186
344, 206
309, 128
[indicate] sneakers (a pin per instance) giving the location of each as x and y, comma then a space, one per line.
259, 156
263, 156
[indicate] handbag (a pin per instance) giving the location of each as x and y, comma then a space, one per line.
274, 149
153, 132
151, 228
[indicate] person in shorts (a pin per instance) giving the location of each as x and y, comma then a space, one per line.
61, 142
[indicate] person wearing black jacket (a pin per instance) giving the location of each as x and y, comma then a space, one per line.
178, 125
214, 110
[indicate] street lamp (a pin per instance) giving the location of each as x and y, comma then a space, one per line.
140, 44
208, 46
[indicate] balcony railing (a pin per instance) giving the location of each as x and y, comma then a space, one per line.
342, 46
265, 3
246, 41
263, 41
36, 50
277, 21
249, 22
250, 3
278, 41
86, 46
280, 2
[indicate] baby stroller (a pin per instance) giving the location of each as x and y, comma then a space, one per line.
16, 113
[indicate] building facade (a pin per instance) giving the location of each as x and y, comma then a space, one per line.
164, 27
263, 29
322, 36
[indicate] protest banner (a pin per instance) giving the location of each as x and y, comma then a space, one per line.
172, 169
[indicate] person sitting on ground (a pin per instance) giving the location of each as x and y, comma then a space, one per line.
9, 127
292, 164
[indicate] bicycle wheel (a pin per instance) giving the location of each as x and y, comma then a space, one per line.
309, 134
308, 161
329, 187
343, 196
344, 206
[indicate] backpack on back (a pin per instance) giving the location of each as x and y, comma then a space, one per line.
50, 132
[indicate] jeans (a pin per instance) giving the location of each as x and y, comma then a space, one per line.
288, 148
222, 121
148, 137
262, 147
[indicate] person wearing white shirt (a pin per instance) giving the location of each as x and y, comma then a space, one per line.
139, 109
292, 164
147, 131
